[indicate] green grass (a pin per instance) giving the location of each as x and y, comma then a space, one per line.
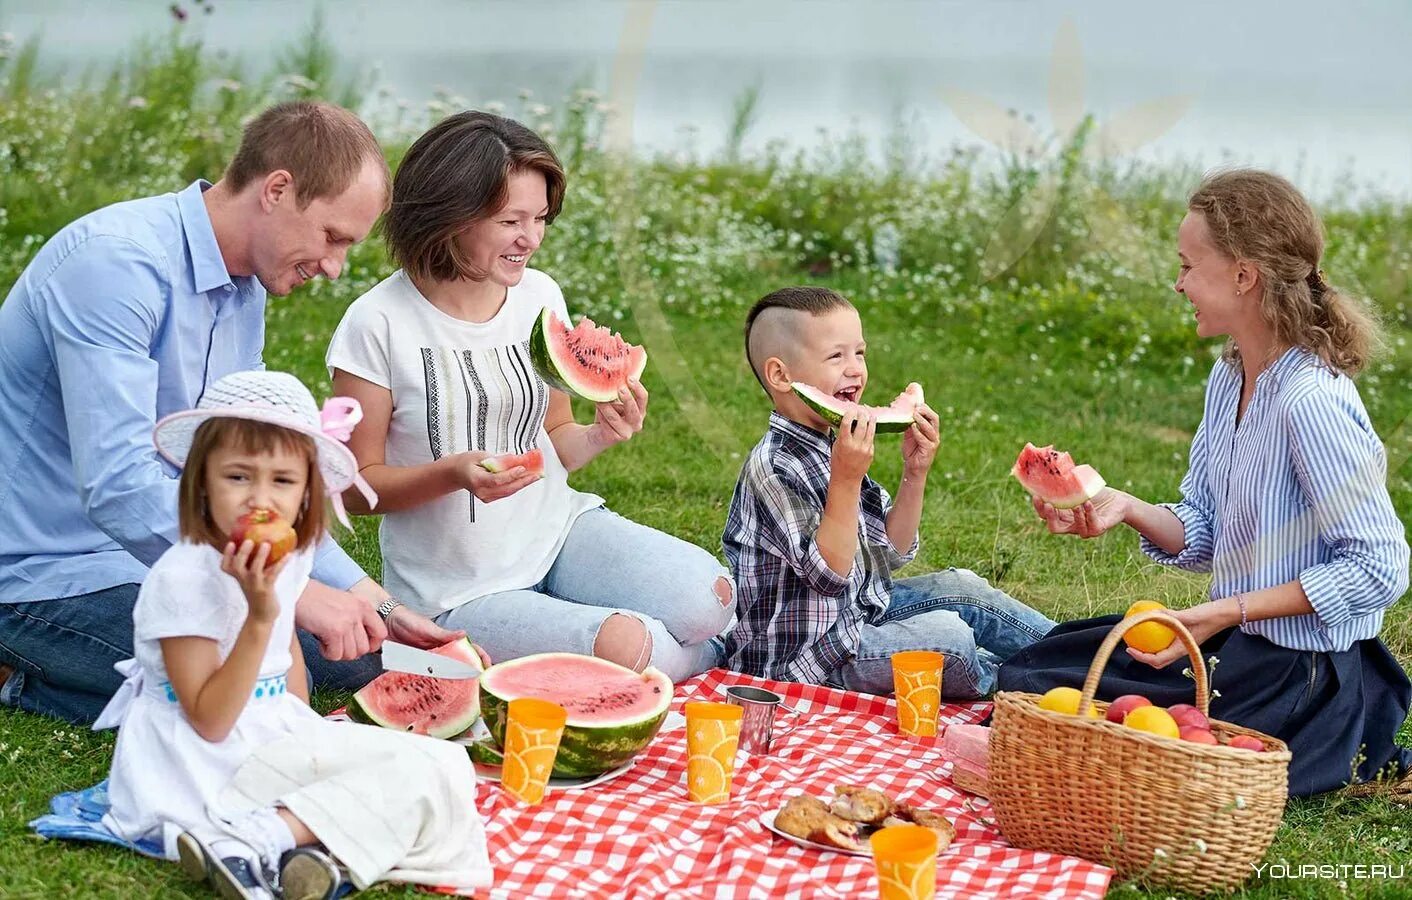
1082, 343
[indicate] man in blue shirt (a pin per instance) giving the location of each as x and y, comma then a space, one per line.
124, 316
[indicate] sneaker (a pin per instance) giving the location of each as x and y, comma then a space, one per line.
309, 874
233, 877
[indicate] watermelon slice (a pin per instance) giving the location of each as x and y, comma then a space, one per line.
1051, 476
895, 417
438, 707
533, 461
589, 361
613, 711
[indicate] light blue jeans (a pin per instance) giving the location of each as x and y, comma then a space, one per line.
608, 565
975, 626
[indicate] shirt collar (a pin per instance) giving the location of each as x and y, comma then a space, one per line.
1289, 362
208, 268
809, 437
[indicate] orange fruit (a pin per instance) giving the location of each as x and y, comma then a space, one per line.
1149, 637
1153, 719
1065, 700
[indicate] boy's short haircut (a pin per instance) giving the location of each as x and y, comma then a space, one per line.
803, 298
322, 146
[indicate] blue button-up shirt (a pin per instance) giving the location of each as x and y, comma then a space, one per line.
1296, 490
799, 620
122, 317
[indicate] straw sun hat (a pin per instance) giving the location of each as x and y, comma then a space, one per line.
277, 398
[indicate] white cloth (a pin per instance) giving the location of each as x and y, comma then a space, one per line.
459, 386
167, 779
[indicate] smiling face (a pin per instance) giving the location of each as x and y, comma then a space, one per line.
828, 353
1219, 288
502, 243
292, 245
238, 480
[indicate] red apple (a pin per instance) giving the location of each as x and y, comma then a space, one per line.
1246, 742
264, 526
1186, 714
1198, 735
1118, 709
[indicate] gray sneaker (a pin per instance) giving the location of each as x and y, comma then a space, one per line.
310, 874
233, 877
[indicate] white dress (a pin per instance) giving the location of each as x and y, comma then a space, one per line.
420, 824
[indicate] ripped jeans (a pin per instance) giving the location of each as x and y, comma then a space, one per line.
608, 565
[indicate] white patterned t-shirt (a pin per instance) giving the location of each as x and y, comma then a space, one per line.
459, 386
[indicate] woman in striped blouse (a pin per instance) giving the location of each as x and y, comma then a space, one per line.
1285, 504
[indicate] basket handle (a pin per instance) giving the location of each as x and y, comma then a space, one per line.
1105, 650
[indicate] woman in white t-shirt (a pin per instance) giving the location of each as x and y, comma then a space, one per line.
438, 355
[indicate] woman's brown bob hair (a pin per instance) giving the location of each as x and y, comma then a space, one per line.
455, 174
1262, 218
247, 436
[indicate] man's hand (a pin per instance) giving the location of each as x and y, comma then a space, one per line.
407, 626
919, 443
346, 625
852, 452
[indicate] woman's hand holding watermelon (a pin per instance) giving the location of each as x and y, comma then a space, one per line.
618, 420
491, 486
1087, 520
920, 442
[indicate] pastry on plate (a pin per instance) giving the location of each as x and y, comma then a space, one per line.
860, 804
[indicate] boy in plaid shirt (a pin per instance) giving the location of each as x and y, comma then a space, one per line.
813, 541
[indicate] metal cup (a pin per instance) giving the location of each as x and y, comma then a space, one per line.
757, 724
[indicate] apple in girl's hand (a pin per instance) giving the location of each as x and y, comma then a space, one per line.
1186, 714
1124, 705
264, 526
1198, 735
1246, 742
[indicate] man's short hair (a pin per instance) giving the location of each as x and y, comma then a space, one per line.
801, 298
456, 174
322, 146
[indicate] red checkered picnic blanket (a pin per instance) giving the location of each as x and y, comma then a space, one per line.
637, 836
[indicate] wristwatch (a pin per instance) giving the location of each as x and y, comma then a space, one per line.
386, 607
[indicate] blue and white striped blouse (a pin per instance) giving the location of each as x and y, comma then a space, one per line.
1297, 491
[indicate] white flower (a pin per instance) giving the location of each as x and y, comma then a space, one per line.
229, 84
1159, 853
1239, 802
539, 110
137, 102
495, 106
1200, 845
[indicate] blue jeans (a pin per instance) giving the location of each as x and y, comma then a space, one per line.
608, 565
63, 652
956, 612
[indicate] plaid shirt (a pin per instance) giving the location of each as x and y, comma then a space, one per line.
799, 619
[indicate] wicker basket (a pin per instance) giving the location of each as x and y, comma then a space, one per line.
1164, 811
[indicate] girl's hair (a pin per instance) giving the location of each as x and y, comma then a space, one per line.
1262, 218
248, 436
454, 175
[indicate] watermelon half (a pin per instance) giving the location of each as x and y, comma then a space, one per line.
533, 461
588, 360
614, 712
896, 416
437, 707
1051, 476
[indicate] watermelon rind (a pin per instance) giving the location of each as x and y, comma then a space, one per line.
559, 373
363, 705
485, 753
586, 748
831, 409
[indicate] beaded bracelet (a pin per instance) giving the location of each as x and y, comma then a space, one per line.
1240, 601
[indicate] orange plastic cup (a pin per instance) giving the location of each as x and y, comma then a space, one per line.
532, 732
712, 734
916, 680
905, 859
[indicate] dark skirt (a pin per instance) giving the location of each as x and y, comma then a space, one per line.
1338, 712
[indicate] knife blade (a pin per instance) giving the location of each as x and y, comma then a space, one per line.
402, 658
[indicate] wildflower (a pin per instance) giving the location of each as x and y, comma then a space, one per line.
1200, 845
178, 12
229, 85
1239, 802
1159, 853
137, 102
495, 106
539, 110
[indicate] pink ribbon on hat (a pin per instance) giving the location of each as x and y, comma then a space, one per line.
336, 420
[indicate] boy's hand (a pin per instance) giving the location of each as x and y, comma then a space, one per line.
618, 420
853, 448
246, 564
919, 443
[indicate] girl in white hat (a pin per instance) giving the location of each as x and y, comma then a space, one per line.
219, 756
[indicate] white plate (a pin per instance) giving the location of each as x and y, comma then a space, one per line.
768, 820
492, 773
